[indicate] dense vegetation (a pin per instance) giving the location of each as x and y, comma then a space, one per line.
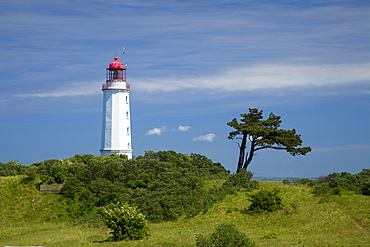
189, 194
164, 185
336, 182
32, 218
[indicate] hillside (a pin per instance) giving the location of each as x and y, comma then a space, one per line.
30, 217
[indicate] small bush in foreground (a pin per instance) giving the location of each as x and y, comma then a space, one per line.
125, 222
225, 235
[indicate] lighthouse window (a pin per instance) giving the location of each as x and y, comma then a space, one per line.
116, 75
128, 145
128, 130
126, 99
127, 114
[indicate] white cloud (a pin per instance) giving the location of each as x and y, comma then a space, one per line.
156, 131
265, 77
344, 147
69, 90
184, 128
205, 138
255, 77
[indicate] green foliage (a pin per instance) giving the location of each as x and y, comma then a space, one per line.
305, 181
334, 183
165, 185
242, 179
365, 172
225, 235
125, 222
343, 220
265, 200
286, 181
263, 134
322, 188
12, 168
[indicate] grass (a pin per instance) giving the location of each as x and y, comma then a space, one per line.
305, 221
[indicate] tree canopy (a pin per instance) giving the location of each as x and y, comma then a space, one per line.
263, 134
163, 185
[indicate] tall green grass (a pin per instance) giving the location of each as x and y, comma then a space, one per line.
306, 220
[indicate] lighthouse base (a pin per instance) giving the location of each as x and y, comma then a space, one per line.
128, 153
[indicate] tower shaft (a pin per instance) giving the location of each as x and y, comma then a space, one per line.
116, 125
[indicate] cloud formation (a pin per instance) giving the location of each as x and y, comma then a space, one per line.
72, 89
205, 138
156, 131
271, 77
266, 77
344, 147
184, 128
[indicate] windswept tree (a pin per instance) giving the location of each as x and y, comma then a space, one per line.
257, 134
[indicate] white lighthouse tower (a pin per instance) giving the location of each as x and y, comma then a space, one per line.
116, 132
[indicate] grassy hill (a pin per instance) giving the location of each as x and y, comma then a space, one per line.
29, 217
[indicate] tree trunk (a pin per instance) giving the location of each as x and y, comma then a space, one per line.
242, 147
249, 158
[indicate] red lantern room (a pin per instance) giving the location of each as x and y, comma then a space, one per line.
116, 71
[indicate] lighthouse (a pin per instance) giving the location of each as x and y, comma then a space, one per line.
116, 127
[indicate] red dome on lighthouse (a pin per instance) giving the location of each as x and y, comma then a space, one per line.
116, 71
116, 64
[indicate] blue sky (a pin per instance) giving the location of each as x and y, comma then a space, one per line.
193, 66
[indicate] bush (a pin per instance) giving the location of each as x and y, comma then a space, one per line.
12, 168
225, 235
242, 179
321, 189
286, 181
265, 200
359, 183
327, 178
305, 181
125, 222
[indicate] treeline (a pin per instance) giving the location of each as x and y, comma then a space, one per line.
164, 185
335, 183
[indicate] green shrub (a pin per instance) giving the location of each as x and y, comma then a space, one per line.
242, 179
286, 181
305, 181
327, 178
365, 172
125, 222
225, 235
12, 168
164, 185
321, 189
324, 189
359, 183
265, 200
355, 182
